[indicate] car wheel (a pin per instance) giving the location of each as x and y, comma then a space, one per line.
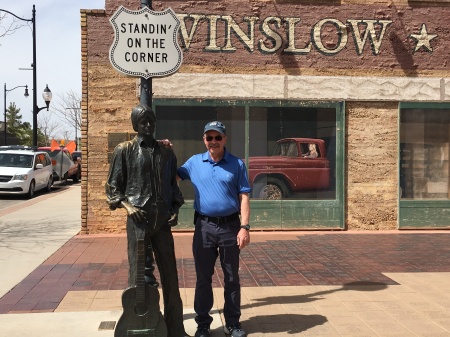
272, 189
31, 190
49, 184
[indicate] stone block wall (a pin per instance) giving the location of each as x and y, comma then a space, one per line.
372, 165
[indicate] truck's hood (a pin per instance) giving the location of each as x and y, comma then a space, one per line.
286, 162
263, 161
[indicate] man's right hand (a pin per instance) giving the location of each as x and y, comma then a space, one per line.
136, 214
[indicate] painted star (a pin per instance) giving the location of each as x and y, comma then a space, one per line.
423, 39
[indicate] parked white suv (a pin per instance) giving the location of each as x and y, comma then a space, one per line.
24, 170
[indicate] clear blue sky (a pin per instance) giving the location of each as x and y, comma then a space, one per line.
58, 36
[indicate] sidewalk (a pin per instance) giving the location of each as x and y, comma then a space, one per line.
28, 236
294, 283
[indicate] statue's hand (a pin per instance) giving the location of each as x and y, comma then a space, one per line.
133, 212
173, 221
166, 143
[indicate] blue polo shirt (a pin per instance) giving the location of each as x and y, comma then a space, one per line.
217, 185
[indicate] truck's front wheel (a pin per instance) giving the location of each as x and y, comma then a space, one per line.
270, 189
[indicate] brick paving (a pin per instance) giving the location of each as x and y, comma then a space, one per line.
272, 259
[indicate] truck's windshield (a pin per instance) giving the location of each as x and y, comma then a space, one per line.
286, 149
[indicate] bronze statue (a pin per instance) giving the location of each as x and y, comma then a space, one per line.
142, 180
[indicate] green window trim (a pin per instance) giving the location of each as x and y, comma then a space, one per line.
421, 213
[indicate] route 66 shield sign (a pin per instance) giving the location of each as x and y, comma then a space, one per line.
145, 42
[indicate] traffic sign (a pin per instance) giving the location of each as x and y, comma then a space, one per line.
145, 42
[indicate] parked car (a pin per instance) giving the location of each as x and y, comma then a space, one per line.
63, 165
77, 160
288, 170
76, 155
24, 170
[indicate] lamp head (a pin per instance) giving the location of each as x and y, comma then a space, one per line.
26, 91
47, 96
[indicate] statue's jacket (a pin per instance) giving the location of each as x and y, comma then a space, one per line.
143, 173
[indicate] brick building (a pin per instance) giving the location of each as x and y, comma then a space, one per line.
371, 80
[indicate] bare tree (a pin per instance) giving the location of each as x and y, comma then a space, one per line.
66, 137
49, 128
67, 107
9, 24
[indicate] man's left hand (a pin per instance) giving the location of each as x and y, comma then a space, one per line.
243, 238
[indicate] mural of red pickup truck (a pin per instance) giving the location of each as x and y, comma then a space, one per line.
297, 164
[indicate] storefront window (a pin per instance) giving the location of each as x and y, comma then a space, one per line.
183, 125
424, 153
291, 151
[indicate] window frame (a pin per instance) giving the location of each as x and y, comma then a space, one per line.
425, 213
281, 214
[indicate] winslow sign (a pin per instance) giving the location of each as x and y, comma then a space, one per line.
145, 42
277, 33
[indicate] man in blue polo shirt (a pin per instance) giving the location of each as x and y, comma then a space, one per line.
222, 211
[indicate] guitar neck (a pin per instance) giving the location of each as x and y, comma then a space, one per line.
140, 275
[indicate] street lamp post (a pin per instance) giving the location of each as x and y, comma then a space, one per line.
47, 93
5, 92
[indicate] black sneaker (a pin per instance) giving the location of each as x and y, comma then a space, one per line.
202, 331
235, 330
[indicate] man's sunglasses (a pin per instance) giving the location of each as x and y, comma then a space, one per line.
210, 138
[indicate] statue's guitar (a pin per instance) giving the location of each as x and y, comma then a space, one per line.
141, 314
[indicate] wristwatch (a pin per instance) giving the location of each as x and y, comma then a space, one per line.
247, 227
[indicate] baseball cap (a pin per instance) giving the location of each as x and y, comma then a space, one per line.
216, 126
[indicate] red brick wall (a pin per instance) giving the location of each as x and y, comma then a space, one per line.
396, 54
109, 96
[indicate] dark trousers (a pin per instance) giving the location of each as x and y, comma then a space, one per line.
150, 267
163, 248
210, 241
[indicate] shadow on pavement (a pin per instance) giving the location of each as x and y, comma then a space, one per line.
296, 323
306, 298
287, 323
